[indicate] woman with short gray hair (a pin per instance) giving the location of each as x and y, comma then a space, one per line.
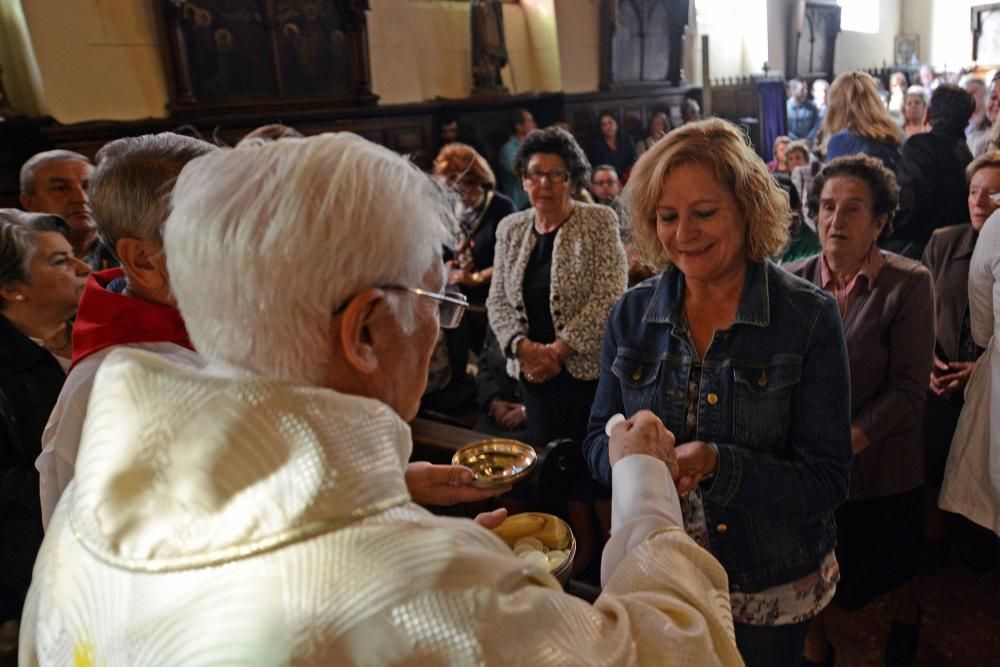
40, 286
559, 267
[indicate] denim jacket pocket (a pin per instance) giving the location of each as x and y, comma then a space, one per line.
764, 401
638, 379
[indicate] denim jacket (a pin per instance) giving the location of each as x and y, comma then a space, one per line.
774, 397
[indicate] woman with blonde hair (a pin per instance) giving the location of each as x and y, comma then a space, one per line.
746, 366
856, 121
897, 94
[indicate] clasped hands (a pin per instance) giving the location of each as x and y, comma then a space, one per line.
949, 377
541, 362
644, 433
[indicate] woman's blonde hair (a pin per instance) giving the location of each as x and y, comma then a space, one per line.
854, 104
988, 160
722, 148
456, 162
993, 142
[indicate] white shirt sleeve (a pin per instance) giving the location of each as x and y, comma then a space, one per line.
984, 271
61, 438
643, 500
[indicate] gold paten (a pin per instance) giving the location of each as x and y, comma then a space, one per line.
496, 462
548, 529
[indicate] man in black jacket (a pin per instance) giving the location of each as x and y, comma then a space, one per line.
932, 185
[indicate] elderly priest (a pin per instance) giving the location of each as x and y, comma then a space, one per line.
255, 512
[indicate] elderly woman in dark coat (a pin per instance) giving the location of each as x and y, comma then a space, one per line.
40, 286
887, 305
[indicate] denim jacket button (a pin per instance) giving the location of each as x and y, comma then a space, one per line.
712, 398
722, 529
762, 380
637, 374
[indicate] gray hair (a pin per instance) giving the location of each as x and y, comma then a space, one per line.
974, 81
18, 236
30, 168
917, 91
134, 175
265, 242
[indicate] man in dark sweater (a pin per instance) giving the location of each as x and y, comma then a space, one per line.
932, 184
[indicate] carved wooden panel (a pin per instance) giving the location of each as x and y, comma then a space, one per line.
641, 41
814, 38
634, 108
234, 53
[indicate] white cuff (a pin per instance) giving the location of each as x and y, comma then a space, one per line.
642, 486
643, 500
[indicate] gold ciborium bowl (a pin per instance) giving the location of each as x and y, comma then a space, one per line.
496, 462
552, 532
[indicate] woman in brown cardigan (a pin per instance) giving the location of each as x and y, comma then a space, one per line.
887, 305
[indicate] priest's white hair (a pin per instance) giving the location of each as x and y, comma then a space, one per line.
265, 242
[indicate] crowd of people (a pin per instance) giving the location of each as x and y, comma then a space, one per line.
772, 375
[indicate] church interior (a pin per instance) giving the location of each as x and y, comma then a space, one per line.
418, 76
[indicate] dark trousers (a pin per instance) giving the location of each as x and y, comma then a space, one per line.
771, 645
559, 408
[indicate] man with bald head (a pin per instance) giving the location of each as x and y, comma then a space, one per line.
57, 182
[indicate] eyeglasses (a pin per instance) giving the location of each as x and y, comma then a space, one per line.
451, 305
603, 183
554, 176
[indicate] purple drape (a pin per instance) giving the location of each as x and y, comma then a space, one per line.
772, 114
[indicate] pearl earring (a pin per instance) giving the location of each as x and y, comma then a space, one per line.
19, 297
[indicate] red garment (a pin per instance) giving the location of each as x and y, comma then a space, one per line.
105, 318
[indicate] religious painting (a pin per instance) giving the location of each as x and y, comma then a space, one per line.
250, 51
986, 33
907, 51
223, 40
313, 51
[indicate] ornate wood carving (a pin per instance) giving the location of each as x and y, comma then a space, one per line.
230, 54
642, 42
814, 40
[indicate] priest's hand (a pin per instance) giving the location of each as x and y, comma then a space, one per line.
491, 520
643, 433
444, 485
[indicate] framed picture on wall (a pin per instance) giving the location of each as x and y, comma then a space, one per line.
986, 33
907, 50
